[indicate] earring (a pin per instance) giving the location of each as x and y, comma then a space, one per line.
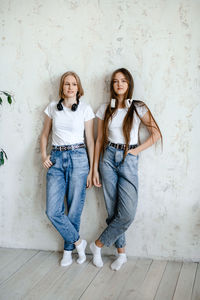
128, 102
113, 102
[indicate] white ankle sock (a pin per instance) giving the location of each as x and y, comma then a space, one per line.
122, 259
96, 251
67, 258
81, 252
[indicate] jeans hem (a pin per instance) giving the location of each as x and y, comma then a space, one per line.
120, 246
105, 243
69, 249
72, 246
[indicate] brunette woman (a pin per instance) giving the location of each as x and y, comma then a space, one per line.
116, 157
69, 172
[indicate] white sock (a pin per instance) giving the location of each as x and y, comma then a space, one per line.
122, 259
96, 251
81, 252
67, 258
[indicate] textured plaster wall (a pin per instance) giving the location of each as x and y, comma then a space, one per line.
158, 41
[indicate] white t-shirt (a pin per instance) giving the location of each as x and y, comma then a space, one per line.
68, 125
115, 130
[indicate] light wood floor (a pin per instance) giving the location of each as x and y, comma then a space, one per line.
32, 274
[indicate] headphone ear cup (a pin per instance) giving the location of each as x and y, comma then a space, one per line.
128, 102
113, 103
74, 107
59, 105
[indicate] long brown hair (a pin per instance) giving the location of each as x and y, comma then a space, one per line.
128, 119
80, 88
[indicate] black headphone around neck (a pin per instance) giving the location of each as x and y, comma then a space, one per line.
74, 106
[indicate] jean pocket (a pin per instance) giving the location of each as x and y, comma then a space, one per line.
53, 161
53, 157
79, 152
130, 154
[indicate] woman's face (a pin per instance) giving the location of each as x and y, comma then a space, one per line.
70, 87
120, 84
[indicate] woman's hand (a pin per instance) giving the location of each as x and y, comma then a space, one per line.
96, 180
133, 151
89, 180
46, 162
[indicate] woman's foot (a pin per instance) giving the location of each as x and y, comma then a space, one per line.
67, 258
81, 252
122, 259
96, 251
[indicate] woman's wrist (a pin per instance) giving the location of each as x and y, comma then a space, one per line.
138, 149
95, 170
96, 166
44, 156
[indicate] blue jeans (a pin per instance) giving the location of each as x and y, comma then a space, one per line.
120, 188
68, 176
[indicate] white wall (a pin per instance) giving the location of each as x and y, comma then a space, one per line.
158, 41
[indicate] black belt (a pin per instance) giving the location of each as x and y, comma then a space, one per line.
122, 146
68, 147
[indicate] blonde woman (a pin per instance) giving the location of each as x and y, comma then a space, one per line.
69, 171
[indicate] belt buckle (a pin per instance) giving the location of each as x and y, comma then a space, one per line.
72, 147
60, 148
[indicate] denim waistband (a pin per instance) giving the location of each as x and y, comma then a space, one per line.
121, 146
68, 147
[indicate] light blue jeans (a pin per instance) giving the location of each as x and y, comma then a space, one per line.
68, 176
120, 188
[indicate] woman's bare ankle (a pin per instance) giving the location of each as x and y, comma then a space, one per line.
98, 243
121, 250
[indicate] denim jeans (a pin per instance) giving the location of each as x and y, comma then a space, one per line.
120, 188
68, 176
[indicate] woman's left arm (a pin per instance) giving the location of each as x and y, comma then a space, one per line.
152, 139
89, 134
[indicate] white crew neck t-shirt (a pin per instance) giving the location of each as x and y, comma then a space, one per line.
68, 125
115, 130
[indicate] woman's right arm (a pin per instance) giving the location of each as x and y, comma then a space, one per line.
43, 142
98, 148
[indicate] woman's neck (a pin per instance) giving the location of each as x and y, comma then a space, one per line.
69, 101
120, 101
